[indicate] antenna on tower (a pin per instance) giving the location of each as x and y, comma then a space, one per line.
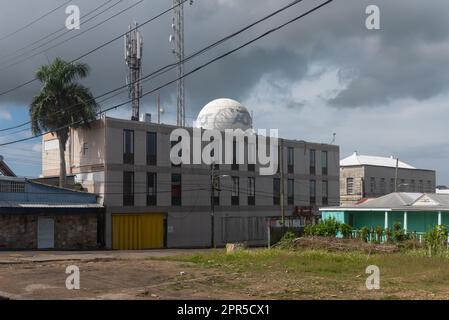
177, 41
133, 58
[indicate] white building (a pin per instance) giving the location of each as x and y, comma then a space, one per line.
363, 176
152, 203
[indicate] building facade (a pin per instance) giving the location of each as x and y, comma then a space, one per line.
38, 216
127, 163
416, 212
370, 177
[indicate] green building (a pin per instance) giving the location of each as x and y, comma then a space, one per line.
417, 212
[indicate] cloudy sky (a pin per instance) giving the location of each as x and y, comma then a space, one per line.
383, 92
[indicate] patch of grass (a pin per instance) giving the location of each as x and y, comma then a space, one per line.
281, 273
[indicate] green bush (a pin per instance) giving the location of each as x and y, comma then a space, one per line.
379, 233
436, 240
346, 230
399, 233
364, 234
326, 228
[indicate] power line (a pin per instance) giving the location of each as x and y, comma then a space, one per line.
72, 37
57, 31
33, 21
188, 73
172, 66
95, 49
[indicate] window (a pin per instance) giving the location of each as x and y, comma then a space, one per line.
234, 165
235, 191
402, 185
324, 192
312, 161
216, 197
421, 186
276, 191
151, 148
429, 186
173, 143
175, 189
290, 191
85, 148
12, 186
372, 185
252, 154
349, 185
128, 146
151, 189
382, 186
290, 159
312, 191
392, 188
412, 186
128, 188
251, 191
324, 162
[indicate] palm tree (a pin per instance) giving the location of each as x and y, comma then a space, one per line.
62, 104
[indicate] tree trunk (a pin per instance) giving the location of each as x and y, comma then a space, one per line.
62, 166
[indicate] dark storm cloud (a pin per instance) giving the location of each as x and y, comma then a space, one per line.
404, 59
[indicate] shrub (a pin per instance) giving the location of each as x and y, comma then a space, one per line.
326, 228
345, 230
364, 233
379, 233
398, 233
436, 240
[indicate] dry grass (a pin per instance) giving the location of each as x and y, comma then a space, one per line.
318, 274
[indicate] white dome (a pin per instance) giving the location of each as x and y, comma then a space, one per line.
224, 114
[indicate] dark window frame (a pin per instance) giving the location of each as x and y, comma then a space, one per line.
312, 161
128, 195
291, 191
152, 197
290, 159
128, 155
151, 158
176, 200
252, 191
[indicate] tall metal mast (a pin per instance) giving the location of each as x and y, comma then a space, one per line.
133, 58
177, 39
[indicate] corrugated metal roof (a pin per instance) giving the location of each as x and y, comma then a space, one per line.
402, 201
15, 204
356, 160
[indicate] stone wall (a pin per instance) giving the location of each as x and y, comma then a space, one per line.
19, 231
76, 231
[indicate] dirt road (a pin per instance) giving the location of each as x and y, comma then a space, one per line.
109, 275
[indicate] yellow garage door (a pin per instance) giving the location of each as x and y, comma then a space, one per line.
137, 231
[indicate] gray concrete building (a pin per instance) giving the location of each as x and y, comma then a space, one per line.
363, 176
152, 203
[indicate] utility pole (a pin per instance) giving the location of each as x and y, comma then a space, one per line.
158, 108
177, 40
133, 58
213, 181
281, 173
396, 176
